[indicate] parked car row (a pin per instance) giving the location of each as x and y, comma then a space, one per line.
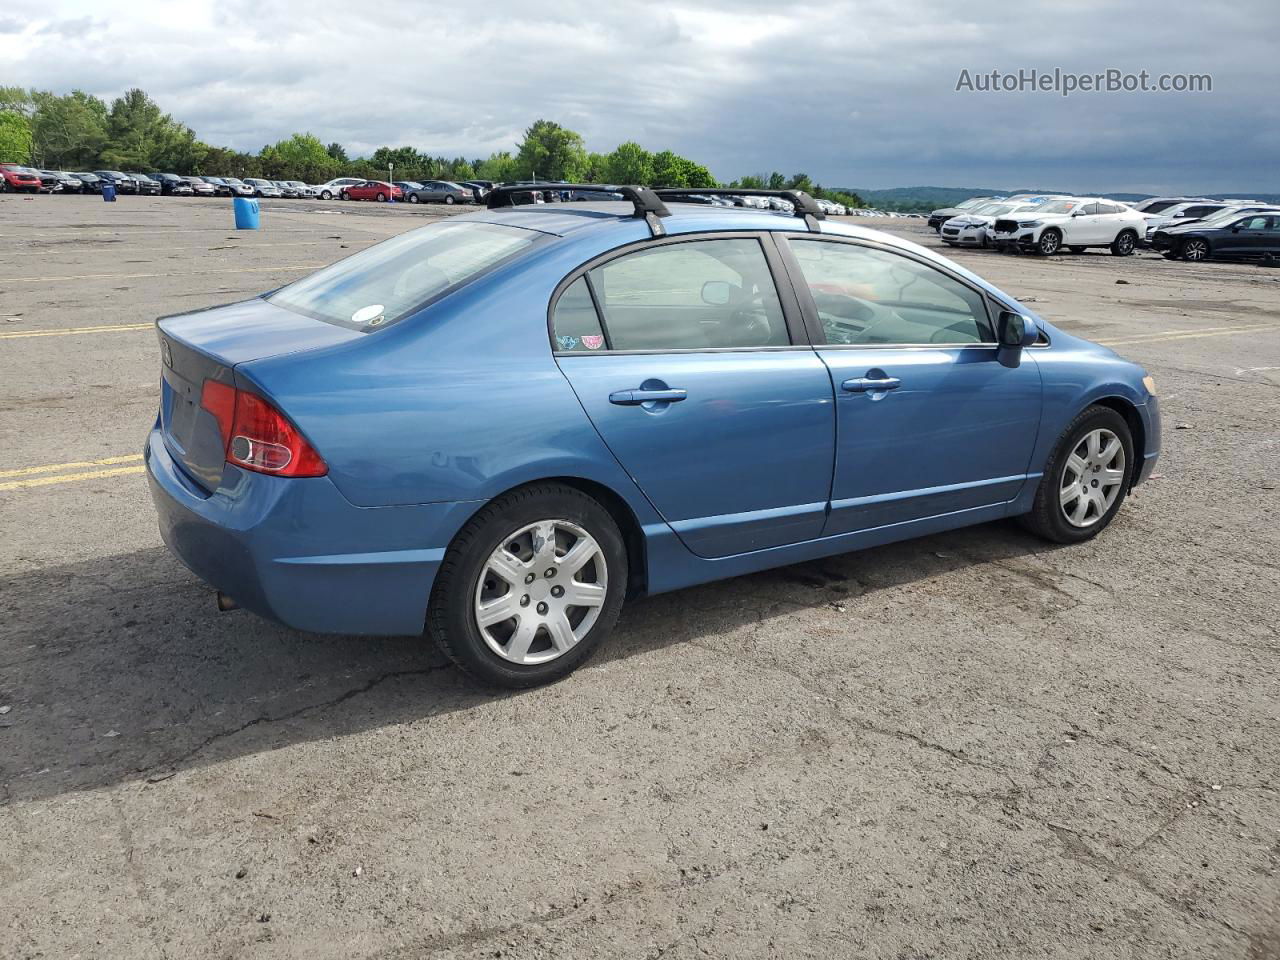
1185, 228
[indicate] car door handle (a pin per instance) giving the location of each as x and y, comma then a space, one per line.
633, 398
867, 384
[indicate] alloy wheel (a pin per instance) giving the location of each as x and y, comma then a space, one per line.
1195, 250
1124, 243
1091, 478
1050, 242
540, 592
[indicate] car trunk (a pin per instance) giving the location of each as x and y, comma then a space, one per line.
208, 345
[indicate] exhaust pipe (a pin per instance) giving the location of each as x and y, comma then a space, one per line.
225, 603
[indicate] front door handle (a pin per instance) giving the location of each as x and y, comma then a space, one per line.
633, 398
868, 384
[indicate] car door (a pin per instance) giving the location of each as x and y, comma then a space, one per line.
928, 421
1084, 226
1246, 238
701, 382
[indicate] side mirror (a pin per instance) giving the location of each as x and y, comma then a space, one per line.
1014, 332
717, 293
1078, 213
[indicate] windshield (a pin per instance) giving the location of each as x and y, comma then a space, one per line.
1058, 206
972, 202
378, 286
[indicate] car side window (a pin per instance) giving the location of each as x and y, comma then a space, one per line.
575, 326
1253, 223
869, 297
1108, 208
696, 295
1089, 209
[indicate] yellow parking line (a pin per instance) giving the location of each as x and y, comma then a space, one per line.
182, 273
105, 328
73, 465
69, 477
1188, 335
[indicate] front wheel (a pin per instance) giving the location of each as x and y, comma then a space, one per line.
326, 195
1050, 242
530, 587
413, 198
1123, 244
344, 195
1195, 249
1086, 479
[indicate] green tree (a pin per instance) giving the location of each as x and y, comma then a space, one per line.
777, 181
141, 137
337, 151
629, 163
500, 167
800, 181
15, 137
16, 100
550, 152
301, 157
68, 132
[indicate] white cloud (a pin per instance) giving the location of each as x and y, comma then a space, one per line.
858, 94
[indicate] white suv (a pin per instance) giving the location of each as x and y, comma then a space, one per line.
1074, 223
327, 191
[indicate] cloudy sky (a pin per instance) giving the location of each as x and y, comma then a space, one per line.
856, 94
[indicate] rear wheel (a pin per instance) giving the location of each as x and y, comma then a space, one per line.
1124, 243
530, 586
1195, 249
1086, 479
381, 198
448, 198
1050, 242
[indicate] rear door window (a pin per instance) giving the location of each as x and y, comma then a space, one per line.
694, 295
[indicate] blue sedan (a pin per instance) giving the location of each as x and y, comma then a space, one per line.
499, 426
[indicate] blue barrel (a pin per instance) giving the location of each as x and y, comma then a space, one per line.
246, 213
109, 192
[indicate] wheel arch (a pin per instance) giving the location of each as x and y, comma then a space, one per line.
619, 509
1137, 429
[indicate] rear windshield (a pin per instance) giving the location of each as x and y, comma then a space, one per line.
378, 286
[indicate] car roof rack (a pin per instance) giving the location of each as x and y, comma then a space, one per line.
648, 206
805, 205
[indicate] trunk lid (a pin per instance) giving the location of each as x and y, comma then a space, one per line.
207, 345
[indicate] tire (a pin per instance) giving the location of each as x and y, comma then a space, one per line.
413, 198
1124, 244
1049, 516
1194, 249
466, 581
1050, 242
326, 195
343, 195
381, 198
1076, 249
448, 198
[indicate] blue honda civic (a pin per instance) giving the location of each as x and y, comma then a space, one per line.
498, 427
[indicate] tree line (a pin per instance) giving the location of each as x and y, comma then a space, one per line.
78, 131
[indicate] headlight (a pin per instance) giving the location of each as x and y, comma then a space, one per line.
1150, 383
1028, 223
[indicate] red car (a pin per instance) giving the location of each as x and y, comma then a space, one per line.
378, 190
18, 177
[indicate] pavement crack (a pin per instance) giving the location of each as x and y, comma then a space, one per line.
176, 762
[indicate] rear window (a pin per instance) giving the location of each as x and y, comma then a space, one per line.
378, 286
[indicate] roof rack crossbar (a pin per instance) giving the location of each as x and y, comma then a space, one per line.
646, 204
806, 207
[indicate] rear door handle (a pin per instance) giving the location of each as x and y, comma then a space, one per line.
633, 398
867, 384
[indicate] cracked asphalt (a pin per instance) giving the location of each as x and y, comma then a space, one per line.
974, 745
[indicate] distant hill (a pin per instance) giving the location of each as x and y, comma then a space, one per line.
923, 199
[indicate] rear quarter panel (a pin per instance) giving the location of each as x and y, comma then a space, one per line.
461, 402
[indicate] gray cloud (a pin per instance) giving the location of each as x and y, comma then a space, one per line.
858, 94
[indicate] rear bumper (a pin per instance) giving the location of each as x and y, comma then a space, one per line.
297, 551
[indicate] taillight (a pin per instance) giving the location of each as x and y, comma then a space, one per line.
256, 436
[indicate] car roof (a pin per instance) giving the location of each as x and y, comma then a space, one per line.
563, 219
